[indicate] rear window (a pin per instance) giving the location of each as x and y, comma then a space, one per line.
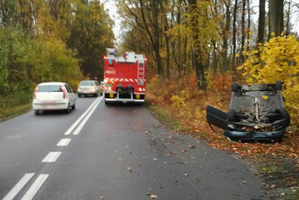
86, 83
49, 88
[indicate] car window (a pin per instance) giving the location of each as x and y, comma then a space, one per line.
102, 83
86, 83
49, 88
68, 88
71, 90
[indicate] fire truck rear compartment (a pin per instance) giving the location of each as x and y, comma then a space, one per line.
125, 94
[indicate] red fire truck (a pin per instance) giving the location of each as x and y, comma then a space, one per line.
124, 77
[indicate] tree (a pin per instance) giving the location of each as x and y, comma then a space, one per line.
276, 17
261, 24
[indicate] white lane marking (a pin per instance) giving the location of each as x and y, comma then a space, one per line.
52, 156
76, 132
15, 190
35, 187
82, 116
63, 142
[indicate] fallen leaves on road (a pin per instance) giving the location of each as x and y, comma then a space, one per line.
153, 196
184, 151
186, 174
102, 197
192, 146
244, 182
130, 169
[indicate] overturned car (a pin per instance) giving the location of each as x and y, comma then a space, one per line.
256, 112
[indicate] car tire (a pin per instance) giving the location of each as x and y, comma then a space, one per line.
36, 112
68, 110
231, 115
79, 95
74, 106
235, 87
278, 85
285, 115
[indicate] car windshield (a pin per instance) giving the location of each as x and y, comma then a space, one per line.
49, 88
86, 83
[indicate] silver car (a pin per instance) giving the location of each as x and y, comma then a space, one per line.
89, 87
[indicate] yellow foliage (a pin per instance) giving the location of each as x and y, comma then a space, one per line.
279, 60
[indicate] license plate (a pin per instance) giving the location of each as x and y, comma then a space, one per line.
137, 96
111, 95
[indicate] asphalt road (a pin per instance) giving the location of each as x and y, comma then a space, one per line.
118, 152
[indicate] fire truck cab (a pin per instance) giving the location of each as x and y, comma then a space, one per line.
124, 77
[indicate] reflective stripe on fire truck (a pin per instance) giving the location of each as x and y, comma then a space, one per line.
123, 80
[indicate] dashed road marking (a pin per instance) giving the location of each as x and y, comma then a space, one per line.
17, 188
35, 187
63, 142
52, 156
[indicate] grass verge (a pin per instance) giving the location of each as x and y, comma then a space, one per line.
7, 113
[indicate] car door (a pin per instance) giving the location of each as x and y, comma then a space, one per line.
70, 94
217, 117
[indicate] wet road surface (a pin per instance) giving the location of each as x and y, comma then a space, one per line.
114, 152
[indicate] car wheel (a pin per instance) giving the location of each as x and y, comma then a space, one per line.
231, 115
74, 107
278, 85
235, 87
68, 110
36, 112
79, 95
285, 115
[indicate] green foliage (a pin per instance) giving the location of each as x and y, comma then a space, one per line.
51, 41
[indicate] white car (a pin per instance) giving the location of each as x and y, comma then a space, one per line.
89, 87
53, 96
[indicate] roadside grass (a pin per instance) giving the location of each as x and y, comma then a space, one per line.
164, 116
14, 104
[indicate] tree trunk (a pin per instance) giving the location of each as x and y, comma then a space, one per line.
243, 31
234, 35
225, 36
179, 42
199, 61
261, 26
157, 36
288, 19
275, 17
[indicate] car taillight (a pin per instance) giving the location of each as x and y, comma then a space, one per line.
34, 93
63, 90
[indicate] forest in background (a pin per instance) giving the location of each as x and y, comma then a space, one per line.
215, 38
50, 40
